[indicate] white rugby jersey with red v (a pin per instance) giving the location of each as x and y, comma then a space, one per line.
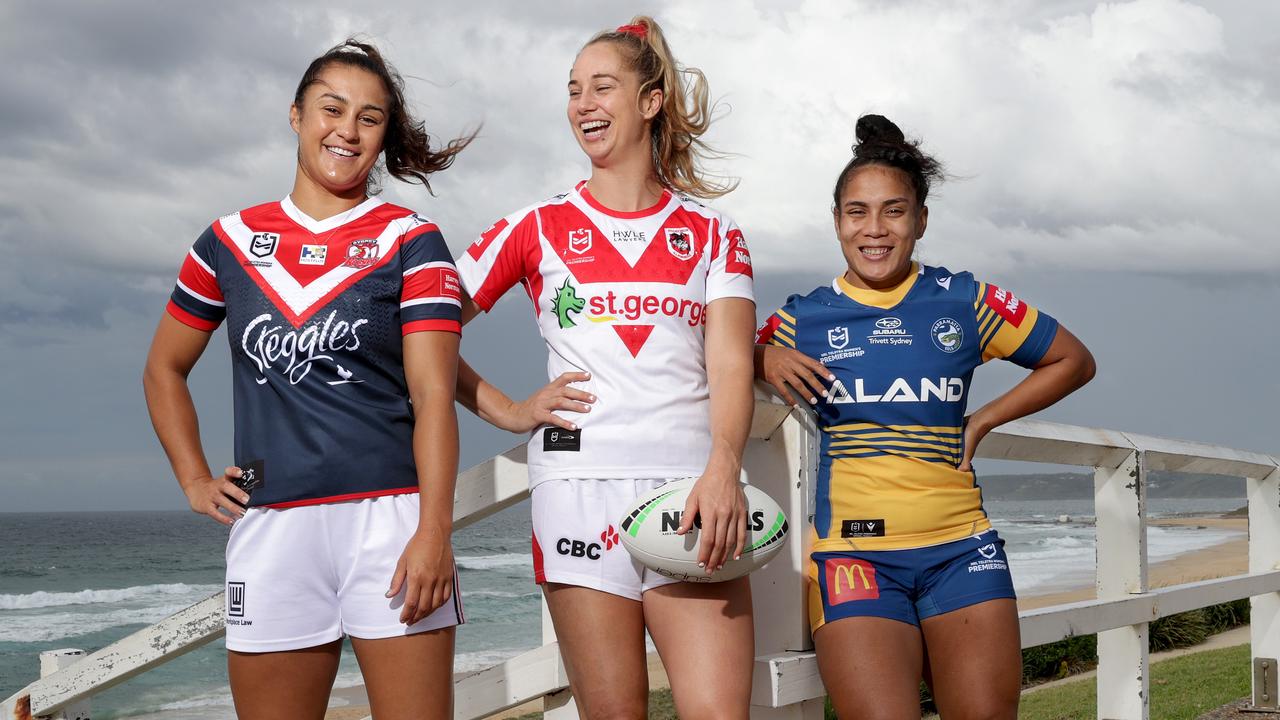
316, 312
622, 296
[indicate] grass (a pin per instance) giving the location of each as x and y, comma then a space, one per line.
1181, 689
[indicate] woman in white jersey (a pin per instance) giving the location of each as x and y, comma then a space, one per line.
341, 494
644, 299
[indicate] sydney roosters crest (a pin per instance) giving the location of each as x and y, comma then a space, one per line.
362, 254
579, 240
680, 243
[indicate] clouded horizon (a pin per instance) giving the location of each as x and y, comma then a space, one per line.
1113, 163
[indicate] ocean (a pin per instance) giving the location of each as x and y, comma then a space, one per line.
85, 580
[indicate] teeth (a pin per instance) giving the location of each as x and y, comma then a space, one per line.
339, 151
874, 251
593, 125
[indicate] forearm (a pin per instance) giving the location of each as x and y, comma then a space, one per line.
173, 416
1045, 386
730, 374
435, 452
479, 396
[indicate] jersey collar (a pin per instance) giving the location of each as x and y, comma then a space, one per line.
316, 227
883, 299
590, 199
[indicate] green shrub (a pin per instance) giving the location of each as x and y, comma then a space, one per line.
1177, 631
1219, 618
1059, 659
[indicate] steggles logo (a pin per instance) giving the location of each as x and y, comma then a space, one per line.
271, 345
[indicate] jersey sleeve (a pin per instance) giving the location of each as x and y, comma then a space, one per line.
197, 298
1009, 328
730, 271
430, 294
502, 256
780, 328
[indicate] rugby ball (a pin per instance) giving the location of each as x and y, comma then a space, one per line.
649, 534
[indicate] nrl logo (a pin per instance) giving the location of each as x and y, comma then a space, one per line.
680, 243
838, 337
263, 244
579, 240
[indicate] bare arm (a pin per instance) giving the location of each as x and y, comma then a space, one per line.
717, 496
426, 565
1066, 366
496, 408
174, 351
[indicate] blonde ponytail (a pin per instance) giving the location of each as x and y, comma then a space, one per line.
678, 150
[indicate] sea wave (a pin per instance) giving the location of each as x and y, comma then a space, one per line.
43, 627
42, 599
499, 594
491, 562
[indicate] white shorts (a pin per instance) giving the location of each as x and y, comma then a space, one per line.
575, 536
305, 576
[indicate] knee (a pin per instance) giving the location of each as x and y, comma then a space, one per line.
615, 709
711, 710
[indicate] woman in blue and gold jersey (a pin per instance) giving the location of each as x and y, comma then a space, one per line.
907, 577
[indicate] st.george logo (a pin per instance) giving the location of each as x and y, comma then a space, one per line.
680, 243
263, 244
838, 337
579, 241
566, 301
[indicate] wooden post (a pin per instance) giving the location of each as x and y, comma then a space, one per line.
1121, 510
1264, 611
51, 661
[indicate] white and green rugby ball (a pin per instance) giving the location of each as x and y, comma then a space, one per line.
649, 534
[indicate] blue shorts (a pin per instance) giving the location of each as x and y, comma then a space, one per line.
908, 585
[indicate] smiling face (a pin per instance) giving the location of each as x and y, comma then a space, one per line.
878, 222
341, 123
608, 118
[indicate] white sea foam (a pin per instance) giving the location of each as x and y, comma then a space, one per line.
500, 594
43, 627
491, 562
41, 599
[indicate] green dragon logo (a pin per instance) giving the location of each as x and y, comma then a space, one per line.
566, 301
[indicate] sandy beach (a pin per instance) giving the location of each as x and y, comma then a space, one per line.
1224, 559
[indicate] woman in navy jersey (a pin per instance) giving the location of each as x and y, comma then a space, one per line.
342, 313
907, 580
643, 296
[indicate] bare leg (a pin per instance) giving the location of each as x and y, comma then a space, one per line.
976, 660
410, 676
698, 627
290, 684
601, 639
871, 667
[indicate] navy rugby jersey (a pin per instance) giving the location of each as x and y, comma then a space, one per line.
892, 421
316, 311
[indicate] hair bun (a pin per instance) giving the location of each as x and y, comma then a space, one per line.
878, 129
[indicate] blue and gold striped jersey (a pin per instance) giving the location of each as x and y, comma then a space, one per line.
892, 421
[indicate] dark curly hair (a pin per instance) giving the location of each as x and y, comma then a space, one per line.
407, 146
881, 142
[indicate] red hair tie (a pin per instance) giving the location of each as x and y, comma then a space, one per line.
639, 31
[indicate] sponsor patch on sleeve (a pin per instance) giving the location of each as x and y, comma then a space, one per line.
1006, 305
486, 238
738, 258
765, 333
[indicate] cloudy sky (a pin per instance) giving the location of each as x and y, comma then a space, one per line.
1115, 164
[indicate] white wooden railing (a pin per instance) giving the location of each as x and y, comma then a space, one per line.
782, 459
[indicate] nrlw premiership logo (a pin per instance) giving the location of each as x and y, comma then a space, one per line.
838, 337
263, 244
566, 301
579, 240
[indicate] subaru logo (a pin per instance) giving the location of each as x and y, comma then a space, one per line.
888, 323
